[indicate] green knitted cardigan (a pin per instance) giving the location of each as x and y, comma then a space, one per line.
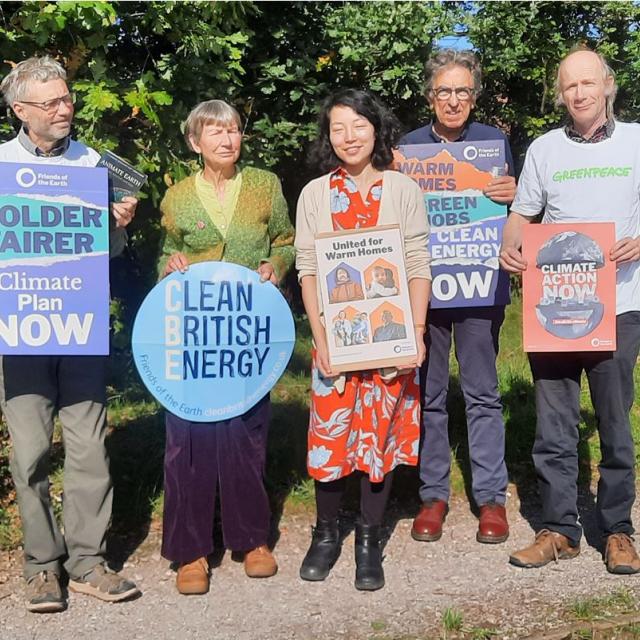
260, 229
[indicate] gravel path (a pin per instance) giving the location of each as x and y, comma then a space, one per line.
422, 580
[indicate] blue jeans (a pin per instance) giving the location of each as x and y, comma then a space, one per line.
475, 331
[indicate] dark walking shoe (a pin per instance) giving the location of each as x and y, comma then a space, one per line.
369, 572
427, 525
323, 552
104, 584
44, 594
620, 554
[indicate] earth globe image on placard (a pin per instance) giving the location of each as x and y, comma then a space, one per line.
578, 315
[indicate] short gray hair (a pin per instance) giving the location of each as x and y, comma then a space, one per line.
209, 112
607, 72
446, 58
15, 83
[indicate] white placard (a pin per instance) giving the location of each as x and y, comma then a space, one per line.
365, 299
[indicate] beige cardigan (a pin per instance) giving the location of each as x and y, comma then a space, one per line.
402, 203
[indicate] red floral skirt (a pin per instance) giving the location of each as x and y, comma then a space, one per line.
373, 426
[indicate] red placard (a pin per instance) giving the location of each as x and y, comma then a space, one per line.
569, 287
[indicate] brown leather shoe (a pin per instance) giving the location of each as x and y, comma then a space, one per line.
548, 546
493, 527
427, 525
260, 563
193, 577
620, 554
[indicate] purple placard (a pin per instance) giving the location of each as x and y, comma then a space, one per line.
54, 260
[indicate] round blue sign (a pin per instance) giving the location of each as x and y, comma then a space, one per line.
211, 342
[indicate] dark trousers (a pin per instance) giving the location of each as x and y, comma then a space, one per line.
373, 498
555, 451
475, 331
204, 457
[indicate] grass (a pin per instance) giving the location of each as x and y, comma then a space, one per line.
136, 440
378, 625
452, 620
614, 631
595, 608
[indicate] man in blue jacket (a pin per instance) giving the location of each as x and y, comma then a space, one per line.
453, 85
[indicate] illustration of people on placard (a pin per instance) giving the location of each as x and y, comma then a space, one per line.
342, 330
360, 326
388, 321
344, 284
351, 327
382, 280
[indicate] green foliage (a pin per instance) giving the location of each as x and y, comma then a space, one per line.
139, 67
383, 46
520, 44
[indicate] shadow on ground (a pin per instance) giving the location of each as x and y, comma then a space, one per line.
136, 448
519, 414
136, 451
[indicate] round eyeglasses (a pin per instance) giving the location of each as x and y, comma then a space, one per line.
463, 94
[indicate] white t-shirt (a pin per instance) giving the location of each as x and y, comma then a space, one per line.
77, 155
581, 182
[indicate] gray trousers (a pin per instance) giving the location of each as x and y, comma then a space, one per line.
32, 390
476, 331
555, 451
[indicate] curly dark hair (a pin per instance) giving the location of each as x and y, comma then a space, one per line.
322, 157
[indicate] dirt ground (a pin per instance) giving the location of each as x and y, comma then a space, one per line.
423, 579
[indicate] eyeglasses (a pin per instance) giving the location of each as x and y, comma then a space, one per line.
463, 94
51, 106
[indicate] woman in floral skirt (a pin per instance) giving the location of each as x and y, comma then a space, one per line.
365, 422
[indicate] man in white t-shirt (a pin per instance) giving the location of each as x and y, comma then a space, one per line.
35, 388
588, 171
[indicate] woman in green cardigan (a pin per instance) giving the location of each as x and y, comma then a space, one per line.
234, 215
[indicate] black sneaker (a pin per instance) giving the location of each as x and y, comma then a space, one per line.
44, 594
104, 584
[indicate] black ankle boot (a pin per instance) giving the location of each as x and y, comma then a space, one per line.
369, 572
323, 552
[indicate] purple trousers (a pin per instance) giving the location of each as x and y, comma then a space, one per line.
202, 458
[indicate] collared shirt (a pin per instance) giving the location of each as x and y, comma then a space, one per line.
220, 213
22, 150
473, 132
603, 132
59, 149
